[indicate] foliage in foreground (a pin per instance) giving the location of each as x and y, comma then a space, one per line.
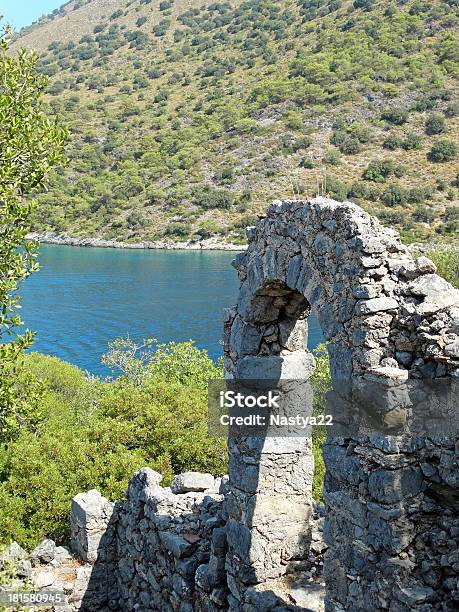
30, 145
96, 434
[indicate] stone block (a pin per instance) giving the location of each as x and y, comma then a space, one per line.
298, 365
177, 545
90, 517
44, 552
192, 481
390, 486
341, 361
374, 305
293, 334
245, 339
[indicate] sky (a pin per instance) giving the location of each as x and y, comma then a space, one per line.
19, 13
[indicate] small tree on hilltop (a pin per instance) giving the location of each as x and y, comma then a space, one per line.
30, 145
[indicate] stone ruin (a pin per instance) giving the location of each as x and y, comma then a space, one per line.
387, 538
391, 490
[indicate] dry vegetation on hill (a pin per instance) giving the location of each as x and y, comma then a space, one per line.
188, 116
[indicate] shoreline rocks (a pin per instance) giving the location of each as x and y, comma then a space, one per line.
210, 244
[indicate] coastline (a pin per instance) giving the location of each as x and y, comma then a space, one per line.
210, 244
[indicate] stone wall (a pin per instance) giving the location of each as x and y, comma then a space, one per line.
162, 548
392, 326
165, 548
171, 544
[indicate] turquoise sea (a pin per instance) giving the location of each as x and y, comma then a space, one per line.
84, 297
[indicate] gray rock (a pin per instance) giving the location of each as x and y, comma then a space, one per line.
415, 594
429, 285
178, 546
245, 338
12, 554
425, 265
452, 348
262, 600
90, 517
404, 358
202, 578
219, 596
293, 334
376, 305
308, 595
298, 365
44, 552
365, 292
192, 481
390, 486
42, 579
62, 554
24, 569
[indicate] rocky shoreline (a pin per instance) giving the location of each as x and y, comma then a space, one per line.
210, 244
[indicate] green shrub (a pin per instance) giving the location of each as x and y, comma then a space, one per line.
178, 230
293, 120
225, 175
412, 142
96, 434
423, 214
394, 195
393, 142
350, 140
214, 198
207, 229
321, 384
304, 142
442, 151
419, 194
396, 116
400, 170
332, 157
378, 170
452, 110
336, 189
364, 4
308, 163
435, 124
358, 190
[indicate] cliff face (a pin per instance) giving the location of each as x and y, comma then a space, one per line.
186, 116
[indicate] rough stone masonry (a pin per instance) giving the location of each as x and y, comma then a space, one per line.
391, 490
253, 542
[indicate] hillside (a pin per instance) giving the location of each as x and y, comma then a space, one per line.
187, 116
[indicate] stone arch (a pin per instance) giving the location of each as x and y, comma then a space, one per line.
387, 317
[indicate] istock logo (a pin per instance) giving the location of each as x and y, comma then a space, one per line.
231, 399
